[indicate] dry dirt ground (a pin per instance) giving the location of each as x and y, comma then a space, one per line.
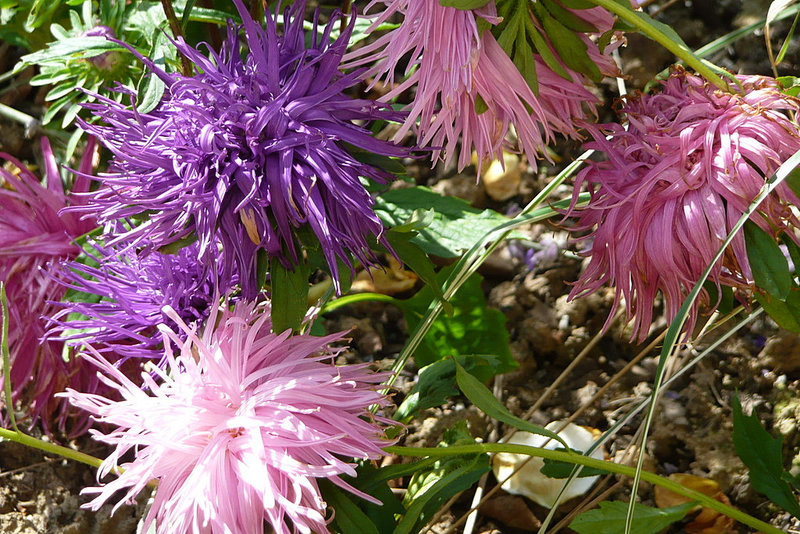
692, 432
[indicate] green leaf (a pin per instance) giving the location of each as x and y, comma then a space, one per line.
289, 292
794, 250
428, 490
373, 482
412, 255
769, 265
464, 5
570, 48
455, 227
784, 312
567, 18
726, 303
151, 88
437, 382
473, 328
556, 469
610, 518
483, 398
578, 4
762, 454
349, 517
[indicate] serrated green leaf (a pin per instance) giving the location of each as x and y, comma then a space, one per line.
473, 328
483, 398
567, 18
437, 382
570, 48
769, 265
289, 295
464, 5
526, 63
610, 518
762, 454
429, 489
578, 4
455, 227
544, 51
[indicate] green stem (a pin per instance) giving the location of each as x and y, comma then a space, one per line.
632, 18
177, 32
6, 359
573, 458
52, 448
358, 297
31, 124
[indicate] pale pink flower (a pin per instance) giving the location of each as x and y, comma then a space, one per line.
34, 234
468, 89
239, 428
691, 161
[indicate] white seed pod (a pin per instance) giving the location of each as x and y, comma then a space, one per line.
529, 480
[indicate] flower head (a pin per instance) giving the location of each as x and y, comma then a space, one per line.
249, 151
240, 429
467, 87
133, 290
676, 180
34, 236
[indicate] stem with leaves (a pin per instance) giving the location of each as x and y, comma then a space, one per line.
574, 458
648, 28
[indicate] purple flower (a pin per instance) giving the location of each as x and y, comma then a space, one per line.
36, 235
132, 290
250, 151
239, 429
691, 161
467, 88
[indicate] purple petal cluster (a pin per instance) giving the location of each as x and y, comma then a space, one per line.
676, 180
239, 429
131, 291
36, 236
252, 150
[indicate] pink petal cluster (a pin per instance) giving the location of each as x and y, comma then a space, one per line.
239, 428
467, 88
676, 180
33, 235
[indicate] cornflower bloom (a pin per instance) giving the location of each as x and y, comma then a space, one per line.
249, 151
676, 180
35, 236
133, 289
239, 429
467, 87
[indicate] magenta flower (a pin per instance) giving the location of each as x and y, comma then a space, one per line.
254, 151
685, 170
468, 89
34, 236
240, 428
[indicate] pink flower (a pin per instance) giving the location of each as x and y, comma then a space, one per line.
468, 89
33, 235
685, 170
240, 428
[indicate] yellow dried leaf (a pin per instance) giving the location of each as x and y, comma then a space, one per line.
391, 281
708, 521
